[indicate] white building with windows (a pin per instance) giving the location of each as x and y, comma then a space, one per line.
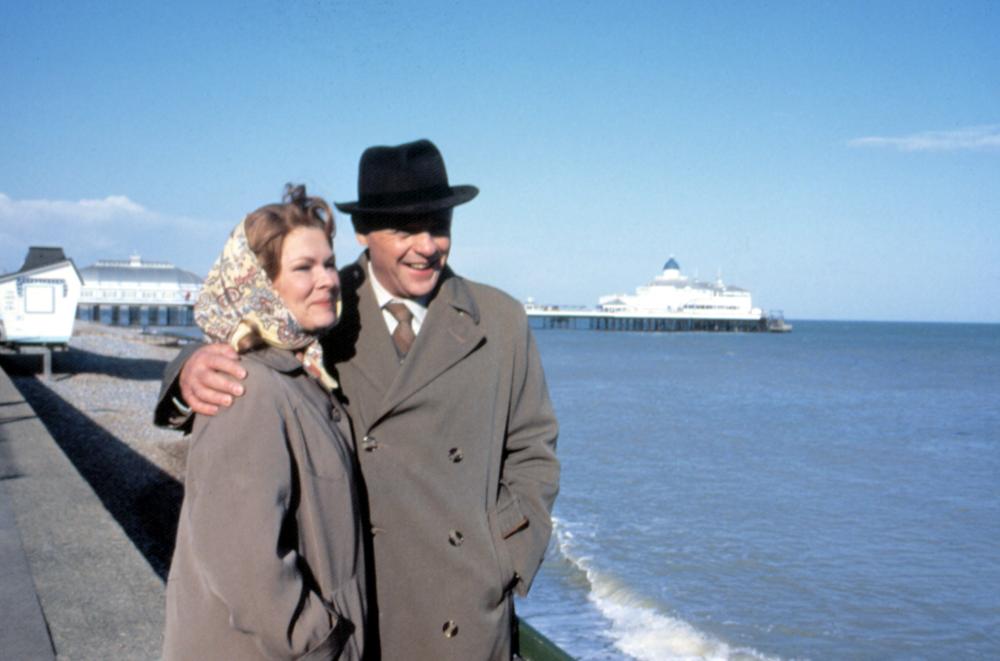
134, 292
671, 294
38, 302
671, 302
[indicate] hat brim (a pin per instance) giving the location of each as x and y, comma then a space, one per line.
459, 195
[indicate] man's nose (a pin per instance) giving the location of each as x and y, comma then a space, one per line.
423, 243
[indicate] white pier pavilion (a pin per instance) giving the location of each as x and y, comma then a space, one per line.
670, 302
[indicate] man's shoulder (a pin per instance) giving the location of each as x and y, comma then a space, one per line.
490, 297
496, 310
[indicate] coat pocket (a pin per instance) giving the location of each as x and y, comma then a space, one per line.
508, 519
349, 604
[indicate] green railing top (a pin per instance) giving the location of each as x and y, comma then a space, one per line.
533, 646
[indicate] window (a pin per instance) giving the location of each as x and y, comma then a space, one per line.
39, 299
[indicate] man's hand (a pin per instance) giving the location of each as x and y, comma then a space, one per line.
211, 378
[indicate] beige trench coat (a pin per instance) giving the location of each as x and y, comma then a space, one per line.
457, 449
269, 560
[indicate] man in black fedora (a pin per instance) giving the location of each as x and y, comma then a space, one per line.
455, 435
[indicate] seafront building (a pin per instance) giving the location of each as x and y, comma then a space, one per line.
38, 301
670, 302
135, 292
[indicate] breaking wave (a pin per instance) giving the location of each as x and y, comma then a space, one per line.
638, 626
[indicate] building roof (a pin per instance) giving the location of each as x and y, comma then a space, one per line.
39, 256
671, 264
135, 270
39, 260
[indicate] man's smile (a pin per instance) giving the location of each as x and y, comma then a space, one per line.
423, 266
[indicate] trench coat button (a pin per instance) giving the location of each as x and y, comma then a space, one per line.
455, 455
369, 444
450, 629
335, 414
455, 538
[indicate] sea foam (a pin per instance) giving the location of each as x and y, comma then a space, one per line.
638, 626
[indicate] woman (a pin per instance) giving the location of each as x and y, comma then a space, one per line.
269, 560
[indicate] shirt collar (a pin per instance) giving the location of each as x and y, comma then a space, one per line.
418, 306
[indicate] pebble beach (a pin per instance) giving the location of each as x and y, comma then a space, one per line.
112, 375
98, 406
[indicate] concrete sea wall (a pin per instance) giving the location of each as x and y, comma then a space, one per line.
89, 493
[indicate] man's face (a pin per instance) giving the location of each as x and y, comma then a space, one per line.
408, 260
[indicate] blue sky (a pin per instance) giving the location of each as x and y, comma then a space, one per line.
841, 160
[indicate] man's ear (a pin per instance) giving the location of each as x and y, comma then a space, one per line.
362, 238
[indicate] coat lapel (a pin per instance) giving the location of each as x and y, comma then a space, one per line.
375, 357
450, 332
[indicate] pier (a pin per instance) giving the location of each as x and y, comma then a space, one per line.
670, 303
568, 318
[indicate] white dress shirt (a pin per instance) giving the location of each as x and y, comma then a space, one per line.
417, 306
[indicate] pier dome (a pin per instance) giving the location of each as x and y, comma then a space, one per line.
671, 270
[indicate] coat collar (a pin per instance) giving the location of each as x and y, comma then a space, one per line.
451, 289
281, 360
451, 331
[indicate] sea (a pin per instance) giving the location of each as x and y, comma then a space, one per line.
830, 493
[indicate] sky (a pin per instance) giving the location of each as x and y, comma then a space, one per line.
841, 160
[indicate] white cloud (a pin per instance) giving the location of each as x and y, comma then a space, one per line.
112, 227
111, 205
973, 138
27, 212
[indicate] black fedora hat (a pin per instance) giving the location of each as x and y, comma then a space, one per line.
405, 180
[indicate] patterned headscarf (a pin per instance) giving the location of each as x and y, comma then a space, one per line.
238, 298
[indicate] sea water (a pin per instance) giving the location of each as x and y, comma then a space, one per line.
830, 493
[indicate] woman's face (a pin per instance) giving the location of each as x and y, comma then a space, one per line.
307, 280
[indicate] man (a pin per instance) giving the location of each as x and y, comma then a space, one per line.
454, 431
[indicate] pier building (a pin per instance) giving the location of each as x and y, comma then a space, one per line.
670, 302
136, 292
